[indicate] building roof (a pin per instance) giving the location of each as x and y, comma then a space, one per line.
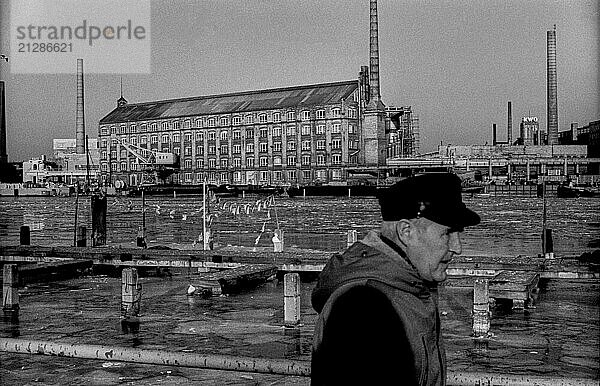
277, 98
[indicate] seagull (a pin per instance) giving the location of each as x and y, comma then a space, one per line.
171, 213
157, 208
191, 289
183, 217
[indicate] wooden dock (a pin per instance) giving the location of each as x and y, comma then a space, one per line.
517, 286
235, 279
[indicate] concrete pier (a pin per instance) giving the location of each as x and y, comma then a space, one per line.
291, 299
10, 288
481, 308
131, 293
352, 237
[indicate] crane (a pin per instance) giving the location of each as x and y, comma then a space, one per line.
151, 162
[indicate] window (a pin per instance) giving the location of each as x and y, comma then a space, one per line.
187, 150
291, 146
224, 149
176, 125
123, 166
305, 145
154, 139
276, 146
320, 159
321, 144
276, 117
134, 166
250, 147
187, 164
336, 159
305, 130
291, 160
212, 135
277, 175
351, 128
176, 138
187, 177
187, 124
211, 122
212, 149
237, 149
263, 132
250, 162
291, 115
212, 163
336, 143
223, 135
306, 175
320, 129
237, 120
249, 119
249, 133
305, 115
224, 121
113, 154
263, 147
143, 140
224, 163
133, 141
335, 112
113, 166
237, 162
224, 178
103, 130
113, 130
198, 122
164, 125
351, 113
277, 160
291, 130
305, 159
177, 150
132, 128
236, 134
264, 176
104, 167
277, 132
187, 137
199, 162
200, 150
164, 138
262, 161
123, 154
200, 136
237, 176
143, 127
262, 118
292, 175
320, 114
335, 128
103, 154
153, 127
199, 177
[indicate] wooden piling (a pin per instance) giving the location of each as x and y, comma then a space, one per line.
98, 207
25, 235
81, 236
352, 237
547, 243
130, 300
481, 308
291, 299
10, 288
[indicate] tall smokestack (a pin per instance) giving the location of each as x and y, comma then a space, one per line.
80, 117
494, 139
3, 154
552, 110
374, 95
509, 124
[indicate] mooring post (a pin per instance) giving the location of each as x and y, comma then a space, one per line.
10, 288
481, 308
141, 238
352, 237
278, 240
98, 207
25, 235
291, 299
547, 243
131, 293
81, 236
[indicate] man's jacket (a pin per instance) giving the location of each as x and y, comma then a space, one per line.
378, 321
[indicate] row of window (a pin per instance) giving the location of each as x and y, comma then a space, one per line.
223, 121
277, 176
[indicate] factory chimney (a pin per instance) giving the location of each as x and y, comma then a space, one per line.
509, 124
552, 109
374, 94
494, 139
3, 154
80, 117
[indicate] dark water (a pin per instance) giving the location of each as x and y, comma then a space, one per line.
510, 226
560, 337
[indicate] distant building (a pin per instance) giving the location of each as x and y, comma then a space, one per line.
295, 135
530, 132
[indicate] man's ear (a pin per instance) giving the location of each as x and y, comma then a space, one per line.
404, 229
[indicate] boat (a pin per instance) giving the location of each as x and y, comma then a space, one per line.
572, 191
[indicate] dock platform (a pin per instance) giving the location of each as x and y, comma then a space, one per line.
517, 286
234, 279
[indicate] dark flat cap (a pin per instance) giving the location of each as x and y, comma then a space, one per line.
435, 196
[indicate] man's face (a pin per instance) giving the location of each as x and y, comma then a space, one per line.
431, 248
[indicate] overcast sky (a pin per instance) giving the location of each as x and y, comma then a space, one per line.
457, 63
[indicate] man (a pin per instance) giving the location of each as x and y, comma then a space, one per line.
379, 321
